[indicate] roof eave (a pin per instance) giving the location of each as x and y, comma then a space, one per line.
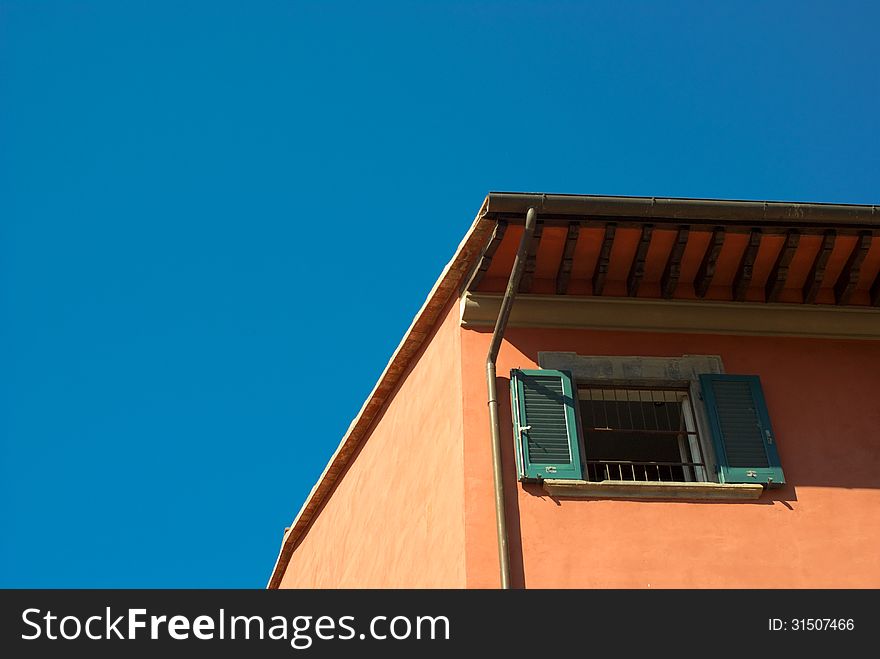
705, 210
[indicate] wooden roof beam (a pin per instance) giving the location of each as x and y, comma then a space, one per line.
813, 282
672, 271
487, 254
601, 271
849, 276
744, 272
563, 275
525, 284
710, 259
637, 269
779, 273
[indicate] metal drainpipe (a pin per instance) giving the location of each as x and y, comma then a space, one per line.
497, 336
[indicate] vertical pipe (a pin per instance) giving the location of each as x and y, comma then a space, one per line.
492, 385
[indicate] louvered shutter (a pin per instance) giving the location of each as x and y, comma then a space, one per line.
745, 446
545, 425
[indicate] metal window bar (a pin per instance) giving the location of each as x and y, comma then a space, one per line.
625, 470
633, 420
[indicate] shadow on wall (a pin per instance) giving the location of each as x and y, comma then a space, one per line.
782, 495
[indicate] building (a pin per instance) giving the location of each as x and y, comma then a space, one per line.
695, 403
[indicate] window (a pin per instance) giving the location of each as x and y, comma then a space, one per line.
637, 434
649, 431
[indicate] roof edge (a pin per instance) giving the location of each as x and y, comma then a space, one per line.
419, 330
709, 210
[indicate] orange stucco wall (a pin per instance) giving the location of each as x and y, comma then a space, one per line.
396, 518
821, 530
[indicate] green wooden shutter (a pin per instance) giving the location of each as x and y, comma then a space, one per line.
544, 425
745, 446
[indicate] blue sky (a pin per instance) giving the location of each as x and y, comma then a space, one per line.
186, 188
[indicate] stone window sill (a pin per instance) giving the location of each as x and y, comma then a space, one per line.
653, 490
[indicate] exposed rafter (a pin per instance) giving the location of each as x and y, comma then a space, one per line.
849, 276
487, 254
813, 282
525, 284
637, 269
779, 273
743, 276
563, 275
601, 270
672, 271
707, 267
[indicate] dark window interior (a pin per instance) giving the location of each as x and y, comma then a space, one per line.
637, 434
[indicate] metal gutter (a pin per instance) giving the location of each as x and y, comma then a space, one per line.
492, 386
709, 210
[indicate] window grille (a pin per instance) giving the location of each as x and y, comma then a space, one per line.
640, 434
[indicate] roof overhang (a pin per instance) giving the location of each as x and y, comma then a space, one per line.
689, 249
